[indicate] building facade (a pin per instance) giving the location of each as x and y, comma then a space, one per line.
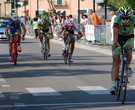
67, 6
5, 8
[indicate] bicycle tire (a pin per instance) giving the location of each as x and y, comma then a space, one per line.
65, 56
15, 54
45, 51
125, 84
69, 54
117, 88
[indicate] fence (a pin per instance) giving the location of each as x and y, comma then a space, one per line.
103, 38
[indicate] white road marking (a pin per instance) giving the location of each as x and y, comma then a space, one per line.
63, 104
42, 91
94, 89
1, 95
132, 87
6, 85
2, 80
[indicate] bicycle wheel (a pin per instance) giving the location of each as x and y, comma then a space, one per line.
125, 85
117, 88
65, 56
15, 54
69, 54
45, 52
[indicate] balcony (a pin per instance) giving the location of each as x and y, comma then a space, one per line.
63, 3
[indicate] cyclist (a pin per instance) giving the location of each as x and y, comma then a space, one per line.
123, 32
14, 25
44, 25
69, 28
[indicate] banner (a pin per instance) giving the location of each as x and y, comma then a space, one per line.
89, 32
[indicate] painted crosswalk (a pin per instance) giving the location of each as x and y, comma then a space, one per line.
49, 91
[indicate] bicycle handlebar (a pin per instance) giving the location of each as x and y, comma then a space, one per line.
126, 48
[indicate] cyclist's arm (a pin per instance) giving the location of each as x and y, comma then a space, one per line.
50, 28
115, 33
39, 28
24, 30
59, 33
80, 34
6, 31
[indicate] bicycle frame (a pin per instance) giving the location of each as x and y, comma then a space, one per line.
67, 52
15, 49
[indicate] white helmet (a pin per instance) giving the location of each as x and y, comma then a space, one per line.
14, 17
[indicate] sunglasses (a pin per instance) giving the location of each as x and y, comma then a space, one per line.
123, 18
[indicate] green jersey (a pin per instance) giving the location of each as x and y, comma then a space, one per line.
125, 30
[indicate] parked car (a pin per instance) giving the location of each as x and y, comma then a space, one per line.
3, 25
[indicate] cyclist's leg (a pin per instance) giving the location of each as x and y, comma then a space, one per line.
19, 32
41, 39
72, 44
129, 43
115, 67
65, 38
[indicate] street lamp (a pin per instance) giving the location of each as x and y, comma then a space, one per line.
93, 5
5, 8
0, 10
79, 12
37, 7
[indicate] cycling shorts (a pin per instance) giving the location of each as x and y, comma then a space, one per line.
70, 32
124, 40
45, 31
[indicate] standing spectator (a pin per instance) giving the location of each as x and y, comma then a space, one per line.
71, 17
81, 16
35, 23
66, 19
39, 18
23, 19
83, 23
31, 26
112, 14
96, 21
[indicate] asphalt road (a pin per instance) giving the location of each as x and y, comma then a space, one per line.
36, 84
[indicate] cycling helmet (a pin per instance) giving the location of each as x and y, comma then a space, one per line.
125, 11
70, 23
14, 17
43, 17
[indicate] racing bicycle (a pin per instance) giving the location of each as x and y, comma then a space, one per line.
122, 79
45, 45
67, 51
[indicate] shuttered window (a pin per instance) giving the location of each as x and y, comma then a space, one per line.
59, 2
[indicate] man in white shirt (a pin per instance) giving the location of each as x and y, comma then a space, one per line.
112, 14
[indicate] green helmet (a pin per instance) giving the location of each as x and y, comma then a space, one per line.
125, 11
43, 17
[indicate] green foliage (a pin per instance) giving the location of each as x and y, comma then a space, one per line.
114, 5
25, 2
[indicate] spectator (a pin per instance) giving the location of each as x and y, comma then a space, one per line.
96, 22
71, 17
39, 18
112, 14
83, 23
23, 19
31, 26
35, 23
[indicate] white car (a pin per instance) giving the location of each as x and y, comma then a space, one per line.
3, 25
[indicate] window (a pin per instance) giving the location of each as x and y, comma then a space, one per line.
59, 2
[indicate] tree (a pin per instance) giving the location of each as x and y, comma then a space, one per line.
114, 5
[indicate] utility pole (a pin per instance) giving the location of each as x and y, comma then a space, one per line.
16, 7
0, 10
37, 7
93, 5
105, 9
78, 11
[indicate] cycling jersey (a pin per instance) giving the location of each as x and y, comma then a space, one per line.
44, 26
74, 27
14, 27
125, 30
